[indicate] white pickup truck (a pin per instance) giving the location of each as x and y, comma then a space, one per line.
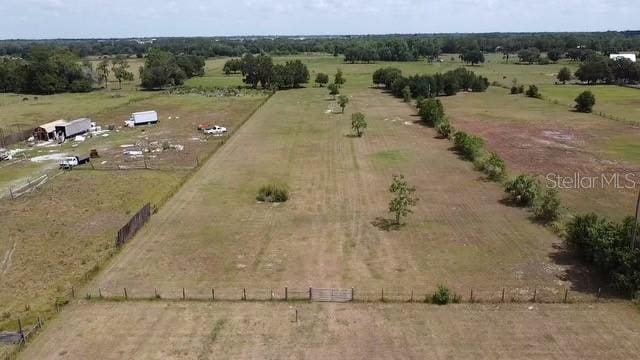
69, 162
215, 130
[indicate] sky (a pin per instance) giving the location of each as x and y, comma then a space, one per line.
45, 19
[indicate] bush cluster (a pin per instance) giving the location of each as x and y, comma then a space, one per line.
449, 83
606, 244
522, 190
469, 146
494, 167
273, 192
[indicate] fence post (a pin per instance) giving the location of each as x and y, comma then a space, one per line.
244, 294
73, 292
309, 292
352, 293
599, 292
566, 292
382, 295
100, 293
271, 291
11, 193
125, 294
213, 294
184, 294
502, 294
286, 293
471, 296
20, 330
411, 300
535, 292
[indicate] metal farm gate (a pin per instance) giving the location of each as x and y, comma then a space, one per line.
331, 295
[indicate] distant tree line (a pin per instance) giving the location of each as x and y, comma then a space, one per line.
50, 70
161, 69
46, 70
421, 86
260, 70
355, 48
602, 69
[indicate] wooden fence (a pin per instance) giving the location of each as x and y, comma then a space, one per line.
136, 222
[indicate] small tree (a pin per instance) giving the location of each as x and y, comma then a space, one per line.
523, 190
431, 110
442, 296
322, 79
585, 102
339, 79
343, 100
120, 72
533, 92
333, 90
103, 72
401, 204
445, 129
494, 167
564, 75
547, 209
358, 123
406, 94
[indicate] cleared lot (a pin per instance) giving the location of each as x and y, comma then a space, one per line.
213, 233
159, 330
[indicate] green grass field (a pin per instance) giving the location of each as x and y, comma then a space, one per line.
331, 233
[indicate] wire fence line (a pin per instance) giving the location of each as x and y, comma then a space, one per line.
391, 295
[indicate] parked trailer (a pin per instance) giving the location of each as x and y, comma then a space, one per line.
142, 118
70, 162
73, 128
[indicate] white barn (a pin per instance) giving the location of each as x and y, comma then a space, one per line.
631, 57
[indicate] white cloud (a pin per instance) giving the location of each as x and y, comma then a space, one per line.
105, 18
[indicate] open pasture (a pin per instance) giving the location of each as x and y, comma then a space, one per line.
166, 330
542, 138
331, 232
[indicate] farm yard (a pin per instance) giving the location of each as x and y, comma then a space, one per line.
63, 232
335, 230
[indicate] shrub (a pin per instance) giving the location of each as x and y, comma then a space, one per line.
522, 190
444, 129
431, 110
514, 90
442, 296
585, 102
494, 167
605, 244
468, 146
274, 193
406, 93
547, 209
533, 92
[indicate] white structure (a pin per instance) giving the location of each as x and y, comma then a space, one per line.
141, 118
631, 57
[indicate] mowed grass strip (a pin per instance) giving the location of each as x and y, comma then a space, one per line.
160, 330
213, 233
